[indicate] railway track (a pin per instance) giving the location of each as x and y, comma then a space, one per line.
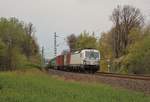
139, 83
116, 75
125, 76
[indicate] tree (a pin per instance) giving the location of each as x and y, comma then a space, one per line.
125, 19
71, 41
85, 40
13, 44
29, 45
137, 60
105, 48
105, 45
2, 54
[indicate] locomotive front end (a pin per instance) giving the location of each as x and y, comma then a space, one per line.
90, 60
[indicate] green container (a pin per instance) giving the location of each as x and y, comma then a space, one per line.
53, 62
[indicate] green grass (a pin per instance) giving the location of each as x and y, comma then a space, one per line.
35, 86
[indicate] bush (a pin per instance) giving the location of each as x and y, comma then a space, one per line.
18, 46
138, 59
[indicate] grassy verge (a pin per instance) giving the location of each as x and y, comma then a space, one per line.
35, 86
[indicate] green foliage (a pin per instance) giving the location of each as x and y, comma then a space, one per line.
85, 40
103, 66
2, 53
35, 86
105, 45
135, 35
2, 48
138, 60
106, 51
17, 46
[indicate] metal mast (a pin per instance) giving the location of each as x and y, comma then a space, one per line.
42, 57
55, 45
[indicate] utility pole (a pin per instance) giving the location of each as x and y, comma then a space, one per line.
43, 52
55, 45
42, 59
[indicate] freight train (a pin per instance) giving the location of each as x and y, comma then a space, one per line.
86, 60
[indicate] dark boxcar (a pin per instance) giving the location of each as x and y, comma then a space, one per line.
60, 61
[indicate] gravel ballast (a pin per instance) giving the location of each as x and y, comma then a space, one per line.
132, 84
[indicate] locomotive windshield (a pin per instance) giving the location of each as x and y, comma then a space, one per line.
91, 55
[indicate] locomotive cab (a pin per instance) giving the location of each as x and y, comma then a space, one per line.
90, 59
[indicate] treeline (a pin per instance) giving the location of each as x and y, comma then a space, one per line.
84, 40
125, 47
18, 46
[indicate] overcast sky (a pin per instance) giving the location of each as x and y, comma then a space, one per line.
66, 17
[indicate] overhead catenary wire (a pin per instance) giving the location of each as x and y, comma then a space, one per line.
55, 43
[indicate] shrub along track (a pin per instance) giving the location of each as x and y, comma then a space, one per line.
132, 82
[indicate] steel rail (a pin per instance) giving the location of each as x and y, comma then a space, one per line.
127, 76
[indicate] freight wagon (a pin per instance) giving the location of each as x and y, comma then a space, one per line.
86, 60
